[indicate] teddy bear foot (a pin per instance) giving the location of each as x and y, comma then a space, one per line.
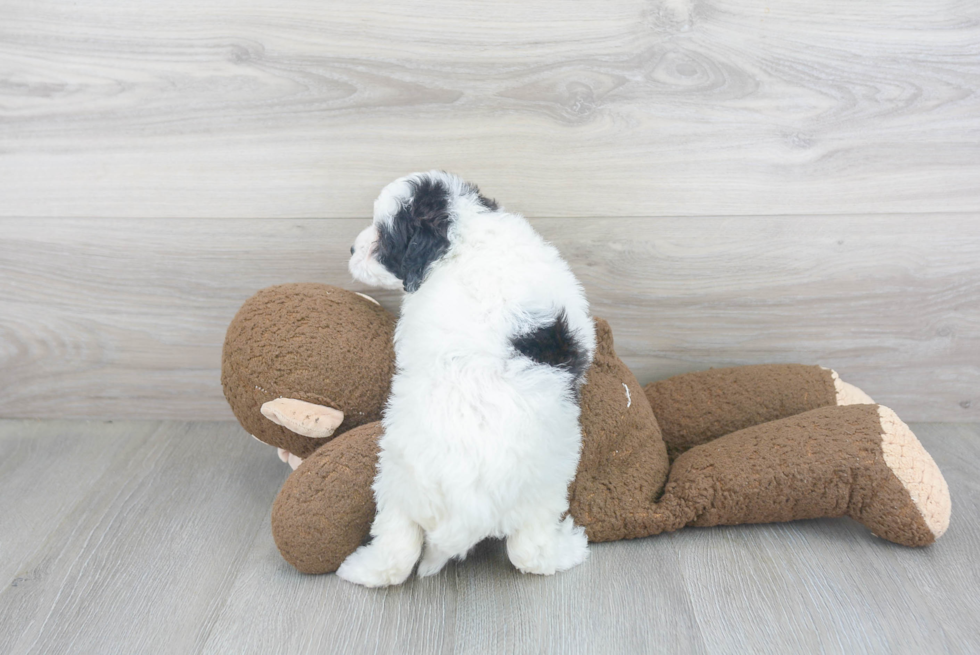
911, 504
848, 394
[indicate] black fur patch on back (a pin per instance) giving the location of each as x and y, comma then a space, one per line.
417, 235
554, 344
488, 203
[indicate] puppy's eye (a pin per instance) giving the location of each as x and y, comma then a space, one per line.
352, 250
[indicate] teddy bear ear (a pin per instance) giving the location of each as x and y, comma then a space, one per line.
303, 418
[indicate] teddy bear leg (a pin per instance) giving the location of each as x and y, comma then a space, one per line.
696, 408
859, 461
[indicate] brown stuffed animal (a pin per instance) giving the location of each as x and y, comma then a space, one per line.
306, 368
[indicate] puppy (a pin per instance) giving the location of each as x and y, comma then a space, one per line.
481, 430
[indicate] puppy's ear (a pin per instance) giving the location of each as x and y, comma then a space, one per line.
429, 243
427, 213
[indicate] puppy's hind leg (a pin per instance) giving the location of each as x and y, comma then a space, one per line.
391, 555
433, 560
548, 546
443, 543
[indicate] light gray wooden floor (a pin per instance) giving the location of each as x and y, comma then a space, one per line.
140, 537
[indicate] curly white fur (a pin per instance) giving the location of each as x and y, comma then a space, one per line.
479, 441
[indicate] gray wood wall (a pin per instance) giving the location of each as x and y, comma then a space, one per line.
735, 182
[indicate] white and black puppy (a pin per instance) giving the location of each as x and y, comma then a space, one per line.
481, 430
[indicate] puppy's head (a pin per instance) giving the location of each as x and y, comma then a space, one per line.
413, 228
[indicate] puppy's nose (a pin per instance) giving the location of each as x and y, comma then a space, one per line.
352, 250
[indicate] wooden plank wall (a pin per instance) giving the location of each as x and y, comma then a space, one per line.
734, 182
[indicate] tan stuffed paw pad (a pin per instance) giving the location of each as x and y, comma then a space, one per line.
916, 470
848, 394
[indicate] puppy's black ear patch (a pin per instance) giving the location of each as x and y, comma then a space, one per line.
418, 233
554, 344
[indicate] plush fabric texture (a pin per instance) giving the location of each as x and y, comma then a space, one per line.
312, 342
696, 408
623, 460
324, 510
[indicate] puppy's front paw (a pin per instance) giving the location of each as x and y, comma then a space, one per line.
371, 566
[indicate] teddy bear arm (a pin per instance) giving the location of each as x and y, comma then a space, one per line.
859, 461
696, 408
324, 510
